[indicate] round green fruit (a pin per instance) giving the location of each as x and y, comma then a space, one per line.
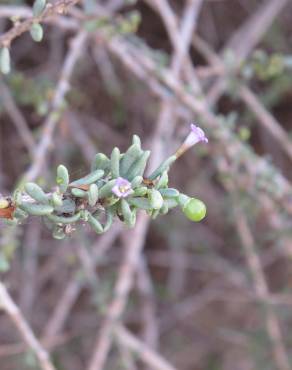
195, 210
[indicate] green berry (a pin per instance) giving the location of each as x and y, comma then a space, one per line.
195, 210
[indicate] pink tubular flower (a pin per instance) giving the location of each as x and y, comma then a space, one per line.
196, 135
122, 188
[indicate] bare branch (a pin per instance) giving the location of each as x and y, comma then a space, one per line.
24, 329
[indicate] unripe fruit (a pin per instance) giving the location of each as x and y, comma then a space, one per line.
195, 210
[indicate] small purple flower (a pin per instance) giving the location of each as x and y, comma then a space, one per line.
195, 136
122, 188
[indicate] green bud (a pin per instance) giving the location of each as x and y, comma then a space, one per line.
89, 179
115, 162
169, 193
155, 198
92, 195
38, 7
194, 209
36, 32
37, 209
5, 64
36, 192
95, 224
62, 178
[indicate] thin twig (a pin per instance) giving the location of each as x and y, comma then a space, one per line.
261, 288
17, 118
24, 329
51, 122
148, 308
266, 119
122, 288
146, 354
71, 292
245, 39
19, 28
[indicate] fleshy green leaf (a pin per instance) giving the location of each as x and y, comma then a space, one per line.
37, 209
5, 63
131, 156
115, 162
95, 224
79, 193
138, 167
169, 193
57, 199
155, 198
128, 215
163, 181
89, 179
36, 32
92, 195
62, 178
38, 7
136, 181
106, 190
141, 203
36, 192
100, 162
141, 191
136, 141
